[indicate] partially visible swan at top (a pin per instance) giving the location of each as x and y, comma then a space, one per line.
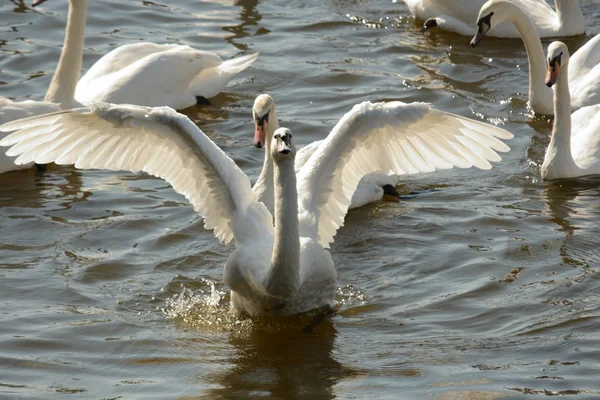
458, 15
584, 73
150, 74
60, 93
275, 269
371, 188
574, 148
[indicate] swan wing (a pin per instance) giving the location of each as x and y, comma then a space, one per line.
12, 110
585, 137
157, 79
394, 138
585, 59
158, 141
123, 56
304, 154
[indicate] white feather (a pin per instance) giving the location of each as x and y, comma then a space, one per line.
395, 138
158, 141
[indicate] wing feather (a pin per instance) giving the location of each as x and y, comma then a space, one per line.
395, 138
158, 141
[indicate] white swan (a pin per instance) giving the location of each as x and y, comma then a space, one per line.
275, 269
61, 91
584, 76
371, 188
150, 74
458, 15
574, 148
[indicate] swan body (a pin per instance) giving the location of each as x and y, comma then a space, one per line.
369, 189
280, 264
584, 74
574, 148
458, 16
152, 75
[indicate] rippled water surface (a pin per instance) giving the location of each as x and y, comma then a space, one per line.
485, 288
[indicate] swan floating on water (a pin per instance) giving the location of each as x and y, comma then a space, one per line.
584, 75
371, 187
275, 269
574, 148
146, 74
149, 74
458, 15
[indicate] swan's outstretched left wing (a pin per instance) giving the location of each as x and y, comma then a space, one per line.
159, 141
395, 138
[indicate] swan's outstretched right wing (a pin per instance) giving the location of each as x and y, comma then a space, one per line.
395, 138
158, 141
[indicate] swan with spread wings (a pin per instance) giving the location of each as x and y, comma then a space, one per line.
280, 264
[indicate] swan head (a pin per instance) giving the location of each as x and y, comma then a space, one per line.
491, 14
282, 145
262, 111
558, 57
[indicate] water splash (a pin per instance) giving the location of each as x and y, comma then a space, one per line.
207, 307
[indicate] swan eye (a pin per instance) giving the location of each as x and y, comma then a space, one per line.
261, 121
555, 60
487, 20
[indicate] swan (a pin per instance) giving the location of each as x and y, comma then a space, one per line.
150, 74
61, 92
371, 188
279, 265
458, 15
584, 74
574, 148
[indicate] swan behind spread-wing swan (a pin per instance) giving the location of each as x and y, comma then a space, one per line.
458, 16
574, 148
584, 74
144, 74
275, 269
371, 188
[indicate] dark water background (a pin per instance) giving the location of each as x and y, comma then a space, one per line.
485, 288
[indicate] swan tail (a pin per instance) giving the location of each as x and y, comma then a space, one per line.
212, 81
237, 65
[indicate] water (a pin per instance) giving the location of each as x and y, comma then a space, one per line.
485, 288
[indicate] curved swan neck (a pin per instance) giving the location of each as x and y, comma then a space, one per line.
284, 276
540, 96
558, 162
263, 188
64, 81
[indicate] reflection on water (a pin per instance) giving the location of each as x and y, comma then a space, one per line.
282, 363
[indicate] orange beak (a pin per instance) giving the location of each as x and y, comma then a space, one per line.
552, 75
260, 133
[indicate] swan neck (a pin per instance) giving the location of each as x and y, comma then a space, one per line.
559, 162
561, 131
540, 96
263, 188
63, 84
284, 276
